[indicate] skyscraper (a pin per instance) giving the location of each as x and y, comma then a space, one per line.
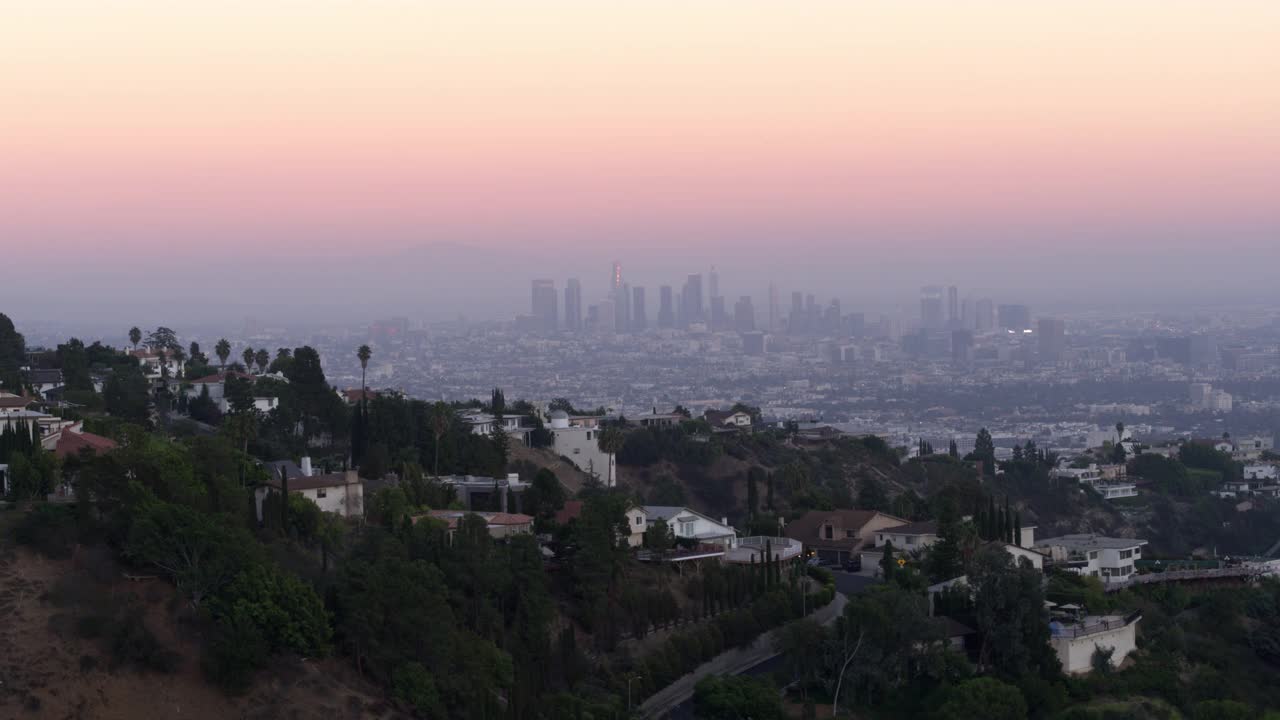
775, 315
713, 282
795, 319
573, 305
691, 301
1014, 317
1052, 338
719, 317
744, 316
931, 316
639, 317
544, 305
953, 306
615, 281
984, 315
622, 308
961, 347
666, 311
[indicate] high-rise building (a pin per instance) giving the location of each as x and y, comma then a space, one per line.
719, 318
961, 347
691, 301
931, 311
754, 343
615, 281
545, 303
622, 308
984, 315
775, 314
639, 317
1014, 317
1052, 336
953, 306
573, 305
666, 309
744, 315
795, 319
713, 282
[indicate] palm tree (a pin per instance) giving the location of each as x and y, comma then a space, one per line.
179, 356
248, 356
364, 353
223, 351
135, 336
263, 358
440, 417
610, 441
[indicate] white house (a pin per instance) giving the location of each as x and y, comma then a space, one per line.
153, 368
1261, 472
482, 423
1086, 475
341, 493
1034, 557
911, 536
1251, 448
727, 419
217, 385
1076, 642
1110, 559
1113, 490
688, 524
581, 445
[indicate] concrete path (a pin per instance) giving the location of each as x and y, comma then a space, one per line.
730, 662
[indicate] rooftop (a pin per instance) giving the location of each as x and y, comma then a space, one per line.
925, 527
1089, 541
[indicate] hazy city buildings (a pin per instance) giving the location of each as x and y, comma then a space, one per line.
545, 304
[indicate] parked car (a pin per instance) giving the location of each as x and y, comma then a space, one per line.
853, 564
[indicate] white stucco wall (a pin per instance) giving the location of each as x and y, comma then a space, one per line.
1076, 654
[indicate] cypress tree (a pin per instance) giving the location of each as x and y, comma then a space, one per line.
1017, 529
768, 490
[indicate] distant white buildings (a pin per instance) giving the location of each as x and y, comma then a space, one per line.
341, 493
1204, 397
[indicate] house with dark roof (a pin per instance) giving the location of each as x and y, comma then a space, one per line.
73, 442
727, 419
501, 525
341, 493
836, 536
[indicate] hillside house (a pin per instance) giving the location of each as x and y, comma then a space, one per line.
1106, 558
341, 493
835, 536
689, 524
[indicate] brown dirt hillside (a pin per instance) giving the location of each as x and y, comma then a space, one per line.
50, 669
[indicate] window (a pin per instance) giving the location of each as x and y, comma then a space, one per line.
320, 492
1126, 554
849, 534
1137, 552
827, 532
686, 528
639, 521
911, 539
1093, 554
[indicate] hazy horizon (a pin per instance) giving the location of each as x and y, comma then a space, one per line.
341, 161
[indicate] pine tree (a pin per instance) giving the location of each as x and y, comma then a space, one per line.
953, 450
1017, 529
768, 493
888, 565
753, 494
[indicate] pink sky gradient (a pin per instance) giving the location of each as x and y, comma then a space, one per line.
130, 128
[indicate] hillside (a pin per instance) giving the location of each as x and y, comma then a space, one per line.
82, 641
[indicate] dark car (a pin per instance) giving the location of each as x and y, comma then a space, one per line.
853, 564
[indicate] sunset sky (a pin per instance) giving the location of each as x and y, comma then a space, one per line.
146, 133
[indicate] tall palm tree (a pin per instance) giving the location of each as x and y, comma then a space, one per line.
223, 351
610, 441
364, 353
263, 359
135, 336
248, 356
179, 356
440, 417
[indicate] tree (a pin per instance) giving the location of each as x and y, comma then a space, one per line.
737, 697
262, 358
610, 441
13, 350
1010, 616
199, 551
888, 563
162, 338
768, 492
658, 536
872, 494
248, 356
440, 418
984, 450
545, 495
983, 698
753, 492
135, 336
953, 449
363, 353
223, 351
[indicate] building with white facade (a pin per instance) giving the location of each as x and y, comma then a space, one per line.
688, 524
909, 537
1106, 558
1114, 490
581, 446
341, 493
1076, 642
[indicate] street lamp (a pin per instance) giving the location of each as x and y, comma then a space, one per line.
633, 677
